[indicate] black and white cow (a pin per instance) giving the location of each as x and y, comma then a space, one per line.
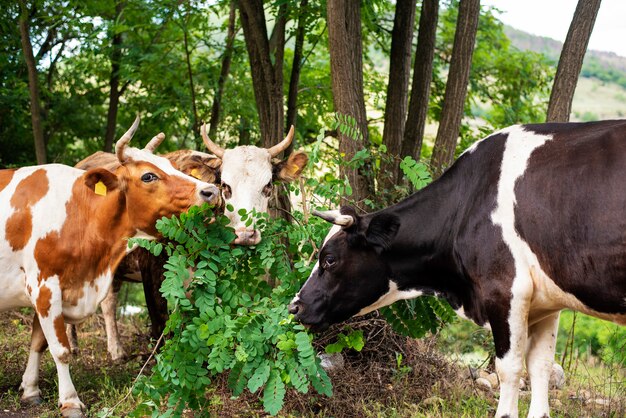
529, 221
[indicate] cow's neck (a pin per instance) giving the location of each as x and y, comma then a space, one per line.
422, 254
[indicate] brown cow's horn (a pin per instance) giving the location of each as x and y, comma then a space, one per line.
120, 145
280, 147
335, 217
211, 146
154, 143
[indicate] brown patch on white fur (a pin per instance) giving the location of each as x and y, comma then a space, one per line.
29, 191
59, 328
5, 177
43, 301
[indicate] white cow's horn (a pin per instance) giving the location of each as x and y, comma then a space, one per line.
154, 143
211, 146
120, 145
281, 146
335, 217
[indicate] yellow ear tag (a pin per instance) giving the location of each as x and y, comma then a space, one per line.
100, 188
195, 173
293, 168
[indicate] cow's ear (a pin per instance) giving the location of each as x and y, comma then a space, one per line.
101, 180
291, 168
381, 231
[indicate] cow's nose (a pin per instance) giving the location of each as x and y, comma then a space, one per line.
210, 194
247, 236
294, 308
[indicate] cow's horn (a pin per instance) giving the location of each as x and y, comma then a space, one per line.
281, 146
211, 146
120, 145
335, 217
154, 143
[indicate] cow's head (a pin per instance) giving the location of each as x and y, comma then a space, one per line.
247, 177
152, 187
351, 277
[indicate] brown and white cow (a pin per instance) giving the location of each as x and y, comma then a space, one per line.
63, 231
527, 222
246, 173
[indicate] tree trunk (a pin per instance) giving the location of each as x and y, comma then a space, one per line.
294, 80
192, 90
571, 61
456, 86
397, 91
114, 82
422, 77
267, 78
33, 86
226, 60
346, 72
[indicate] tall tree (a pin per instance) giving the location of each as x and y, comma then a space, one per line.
422, 77
33, 84
456, 86
397, 90
114, 80
296, 67
571, 60
224, 70
346, 70
266, 67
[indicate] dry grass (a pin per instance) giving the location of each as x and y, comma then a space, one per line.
372, 384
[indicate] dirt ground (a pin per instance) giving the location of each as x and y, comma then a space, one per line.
373, 383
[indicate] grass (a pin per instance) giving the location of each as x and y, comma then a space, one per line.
423, 384
100, 382
597, 100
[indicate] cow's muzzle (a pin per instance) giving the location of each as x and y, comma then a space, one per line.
210, 194
246, 236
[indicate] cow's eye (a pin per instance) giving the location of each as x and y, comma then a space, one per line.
329, 261
226, 191
149, 177
267, 189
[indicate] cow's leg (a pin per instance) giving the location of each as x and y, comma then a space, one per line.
539, 359
30, 379
109, 306
510, 354
152, 276
53, 327
73, 337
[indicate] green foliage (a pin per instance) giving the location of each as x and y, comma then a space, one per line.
353, 341
227, 319
592, 336
416, 172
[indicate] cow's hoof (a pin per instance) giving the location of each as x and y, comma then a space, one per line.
33, 400
72, 413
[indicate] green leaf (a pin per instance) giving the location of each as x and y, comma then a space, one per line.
259, 377
274, 393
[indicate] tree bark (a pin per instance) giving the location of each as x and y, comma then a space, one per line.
294, 79
225, 70
33, 86
267, 78
397, 90
114, 82
456, 86
571, 61
346, 71
422, 77
192, 90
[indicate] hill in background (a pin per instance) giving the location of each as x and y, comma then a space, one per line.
601, 90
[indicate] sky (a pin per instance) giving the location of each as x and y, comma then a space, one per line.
552, 18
